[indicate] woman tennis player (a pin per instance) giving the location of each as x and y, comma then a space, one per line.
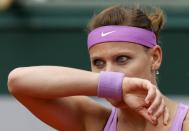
125, 58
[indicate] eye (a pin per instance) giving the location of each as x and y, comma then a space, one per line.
99, 63
122, 59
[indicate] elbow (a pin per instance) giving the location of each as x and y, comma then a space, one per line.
13, 80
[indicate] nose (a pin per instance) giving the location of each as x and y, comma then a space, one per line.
111, 67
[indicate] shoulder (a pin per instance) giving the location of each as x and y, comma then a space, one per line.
186, 123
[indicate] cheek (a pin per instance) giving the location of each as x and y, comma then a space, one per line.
95, 70
138, 68
92, 69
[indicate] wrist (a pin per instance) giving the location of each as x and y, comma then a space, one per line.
110, 85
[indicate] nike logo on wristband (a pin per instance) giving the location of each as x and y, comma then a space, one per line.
107, 33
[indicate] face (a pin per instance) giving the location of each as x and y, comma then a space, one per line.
131, 59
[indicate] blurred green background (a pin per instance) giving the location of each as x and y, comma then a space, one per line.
55, 35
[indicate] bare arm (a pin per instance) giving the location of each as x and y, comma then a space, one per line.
43, 91
186, 123
52, 88
52, 82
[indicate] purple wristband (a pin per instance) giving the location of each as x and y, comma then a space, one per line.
110, 85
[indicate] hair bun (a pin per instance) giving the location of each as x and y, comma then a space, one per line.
157, 19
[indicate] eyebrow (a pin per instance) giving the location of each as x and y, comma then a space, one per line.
116, 54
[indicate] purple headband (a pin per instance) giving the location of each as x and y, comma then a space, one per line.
121, 34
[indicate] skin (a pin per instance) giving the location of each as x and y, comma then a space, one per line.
135, 61
44, 90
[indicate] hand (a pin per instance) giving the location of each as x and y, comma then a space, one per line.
145, 98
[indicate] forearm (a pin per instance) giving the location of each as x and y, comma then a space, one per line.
52, 82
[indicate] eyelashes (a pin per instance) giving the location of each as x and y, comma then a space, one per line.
99, 63
120, 60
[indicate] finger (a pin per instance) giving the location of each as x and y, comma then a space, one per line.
160, 110
156, 103
148, 117
166, 116
151, 91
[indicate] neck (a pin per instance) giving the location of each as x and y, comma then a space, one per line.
129, 119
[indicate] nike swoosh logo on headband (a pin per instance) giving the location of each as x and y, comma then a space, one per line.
107, 33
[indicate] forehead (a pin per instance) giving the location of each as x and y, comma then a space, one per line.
113, 48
